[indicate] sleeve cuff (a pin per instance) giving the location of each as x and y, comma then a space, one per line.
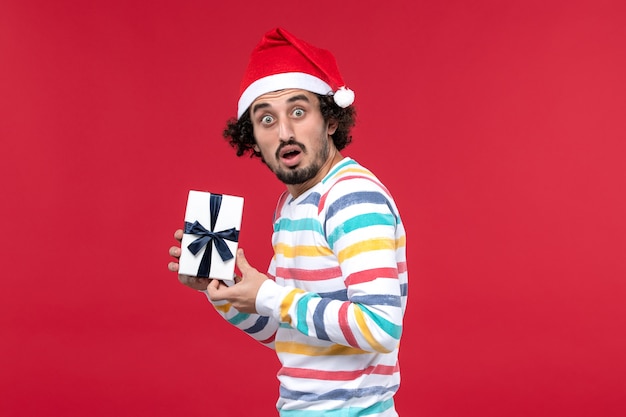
268, 299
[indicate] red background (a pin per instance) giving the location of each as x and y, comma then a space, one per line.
499, 126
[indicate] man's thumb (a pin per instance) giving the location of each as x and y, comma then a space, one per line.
242, 262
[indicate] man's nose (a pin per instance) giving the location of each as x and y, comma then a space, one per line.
285, 130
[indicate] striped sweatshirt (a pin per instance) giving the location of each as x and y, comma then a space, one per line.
333, 308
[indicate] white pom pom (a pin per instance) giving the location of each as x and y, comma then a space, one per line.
344, 97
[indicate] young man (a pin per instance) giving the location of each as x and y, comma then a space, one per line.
333, 299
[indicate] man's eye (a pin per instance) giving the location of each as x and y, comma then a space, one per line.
267, 119
298, 112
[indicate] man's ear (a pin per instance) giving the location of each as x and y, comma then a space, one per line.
332, 126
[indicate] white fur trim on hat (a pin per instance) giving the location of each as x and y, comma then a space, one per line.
282, 81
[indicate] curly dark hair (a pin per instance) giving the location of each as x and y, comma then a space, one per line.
240, 135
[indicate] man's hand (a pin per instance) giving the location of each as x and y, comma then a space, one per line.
199, 284
242, 295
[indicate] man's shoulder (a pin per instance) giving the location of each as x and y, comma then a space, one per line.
345, 170
350, 184
349, 176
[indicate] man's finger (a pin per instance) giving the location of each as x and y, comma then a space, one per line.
215, 286
242, 262
214, 290
175, 251
178, 234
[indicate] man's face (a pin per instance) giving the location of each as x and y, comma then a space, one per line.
291, 134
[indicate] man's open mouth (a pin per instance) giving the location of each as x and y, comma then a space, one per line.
290, 154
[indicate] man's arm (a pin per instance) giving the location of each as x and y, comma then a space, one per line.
367, 238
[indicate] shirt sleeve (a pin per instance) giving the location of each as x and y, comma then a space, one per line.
261, 328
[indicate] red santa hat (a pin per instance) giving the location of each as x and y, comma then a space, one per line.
283, 61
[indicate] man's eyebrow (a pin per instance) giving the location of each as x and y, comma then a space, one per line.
259, 106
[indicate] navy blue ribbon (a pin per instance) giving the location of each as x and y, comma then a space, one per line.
208, 237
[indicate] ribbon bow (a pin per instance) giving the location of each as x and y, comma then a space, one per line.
208, 237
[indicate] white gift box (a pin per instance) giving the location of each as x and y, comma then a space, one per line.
212, 222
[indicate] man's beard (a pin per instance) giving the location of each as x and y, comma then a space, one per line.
296, 175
